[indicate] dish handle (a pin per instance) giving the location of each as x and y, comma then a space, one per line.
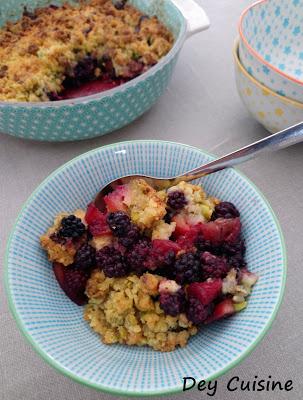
196, 18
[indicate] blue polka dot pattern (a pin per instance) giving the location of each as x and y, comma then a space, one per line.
55, 326
274, 30
99, 114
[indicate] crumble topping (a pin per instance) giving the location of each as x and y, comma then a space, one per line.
125, 310
44, 47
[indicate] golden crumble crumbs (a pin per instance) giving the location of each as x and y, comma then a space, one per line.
43, 47
126, 310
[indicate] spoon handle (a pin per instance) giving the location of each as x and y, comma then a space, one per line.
277, 141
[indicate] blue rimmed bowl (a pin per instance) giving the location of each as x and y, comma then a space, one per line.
54, 325
96, 115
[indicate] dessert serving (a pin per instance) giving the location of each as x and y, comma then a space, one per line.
60, 52
54, 325
151, 267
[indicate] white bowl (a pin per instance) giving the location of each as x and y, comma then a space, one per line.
271, 45
273, 111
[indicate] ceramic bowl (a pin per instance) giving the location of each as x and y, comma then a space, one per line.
98, 114
54, 325
271, 45
273, 111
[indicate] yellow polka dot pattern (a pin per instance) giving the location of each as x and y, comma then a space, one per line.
274, 112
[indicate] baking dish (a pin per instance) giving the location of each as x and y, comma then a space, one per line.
96, 115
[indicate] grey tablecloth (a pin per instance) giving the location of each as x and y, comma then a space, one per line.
201, 107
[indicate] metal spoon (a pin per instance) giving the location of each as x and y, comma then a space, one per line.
274, 142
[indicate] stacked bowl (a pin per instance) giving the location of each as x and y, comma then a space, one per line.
269, 62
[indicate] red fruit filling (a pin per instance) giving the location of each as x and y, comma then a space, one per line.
205, 292
187, 241
72, 281
162, 254
115, 201
182, 226
162, 247
221, 230
223, 309
90, 88
218, 231
82, 80
96, 221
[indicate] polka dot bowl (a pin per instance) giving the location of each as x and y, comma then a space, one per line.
271, 34
273, 111
99, 114
54, 325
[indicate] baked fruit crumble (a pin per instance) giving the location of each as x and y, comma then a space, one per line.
151, 267
52, 52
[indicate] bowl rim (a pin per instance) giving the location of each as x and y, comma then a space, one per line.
255, 53
122, 392
177, 46
283, 99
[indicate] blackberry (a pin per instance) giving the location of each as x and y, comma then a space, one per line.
119, 223
111, 262
237, 261
196, 312
71, 227
165, 265
107, 66
74, 284
85, 257
232, 249
225, 210
235, 253
205, 245
89, 236
55, 237
119, 4
162, 264
132, 236
213, 266
168, 260
85, 69
169, 216
187, 268
122, 227
72, 281
75, 279
173, 304
176, 200
138, 256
